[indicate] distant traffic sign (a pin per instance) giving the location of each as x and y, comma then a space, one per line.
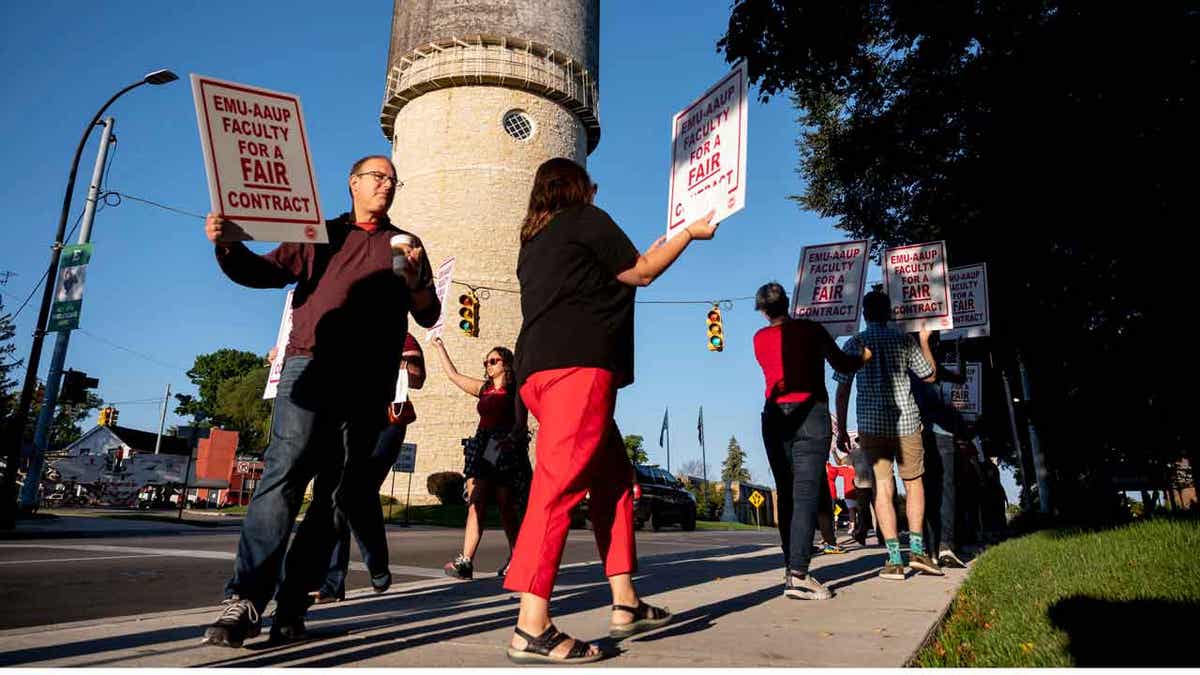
756, 499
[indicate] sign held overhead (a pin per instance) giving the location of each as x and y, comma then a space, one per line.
259, 166
915, 278
829, 285
969, 301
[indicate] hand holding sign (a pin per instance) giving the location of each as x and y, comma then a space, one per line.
221, 231
703, 229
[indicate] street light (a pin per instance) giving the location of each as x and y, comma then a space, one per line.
17, 421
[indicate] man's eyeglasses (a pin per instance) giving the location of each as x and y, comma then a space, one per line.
492, 362
382, 178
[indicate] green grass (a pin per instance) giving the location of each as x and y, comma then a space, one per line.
712, 526
1004, 614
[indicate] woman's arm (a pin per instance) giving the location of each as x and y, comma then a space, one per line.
468, 384
651, 264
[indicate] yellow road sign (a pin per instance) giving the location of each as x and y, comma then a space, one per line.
756, 499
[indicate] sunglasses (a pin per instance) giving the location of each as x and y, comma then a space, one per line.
492, 362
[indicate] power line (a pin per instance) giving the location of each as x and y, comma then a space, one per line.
151, 359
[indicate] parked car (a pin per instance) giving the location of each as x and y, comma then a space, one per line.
658, 498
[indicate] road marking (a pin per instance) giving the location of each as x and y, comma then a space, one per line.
54, 560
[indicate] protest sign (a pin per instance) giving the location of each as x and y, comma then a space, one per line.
969, 302
829, 285
441, 284
281, 341
966, 398
916, 282
259, 166
708, 154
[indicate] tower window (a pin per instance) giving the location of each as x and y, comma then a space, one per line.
518, 124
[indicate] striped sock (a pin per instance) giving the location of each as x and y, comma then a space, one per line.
893, 549
916, 543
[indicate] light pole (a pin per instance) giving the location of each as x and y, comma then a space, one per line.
8, 505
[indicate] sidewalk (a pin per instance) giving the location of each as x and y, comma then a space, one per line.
113, 522
728, 604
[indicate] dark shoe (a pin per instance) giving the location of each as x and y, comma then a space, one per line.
288, 628
861, 539
460, 568
238, 622
892, 571
805, 587
382, 582
537, 649
324, 598
925, 564
504, 568
645, 617
832, 549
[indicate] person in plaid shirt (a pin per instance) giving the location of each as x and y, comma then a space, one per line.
889, 425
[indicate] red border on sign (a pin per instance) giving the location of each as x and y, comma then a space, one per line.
983, 268
887, 282
862, 279
295, 102
683, 114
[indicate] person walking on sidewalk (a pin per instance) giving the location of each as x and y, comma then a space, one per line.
578, 273
889, 426
496, 458
797, 432
370, 531
350, 316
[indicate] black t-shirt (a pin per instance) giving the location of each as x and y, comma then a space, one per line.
576, 313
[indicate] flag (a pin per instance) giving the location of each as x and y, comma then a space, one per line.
663, 431
700, 425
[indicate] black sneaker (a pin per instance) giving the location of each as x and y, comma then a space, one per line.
460, 568
947, 559
381, 582
287, 628
238, 622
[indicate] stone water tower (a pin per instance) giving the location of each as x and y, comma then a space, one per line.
479, 93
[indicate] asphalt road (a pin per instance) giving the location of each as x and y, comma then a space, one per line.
50, 580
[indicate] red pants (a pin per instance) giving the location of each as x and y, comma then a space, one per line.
579, 449
847, 474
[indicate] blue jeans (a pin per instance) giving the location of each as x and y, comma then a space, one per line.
317, 424
368, 529
797, 437
941, 457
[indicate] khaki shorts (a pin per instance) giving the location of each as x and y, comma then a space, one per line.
906, 451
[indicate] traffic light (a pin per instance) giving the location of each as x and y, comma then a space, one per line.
105, 417
74, 388
716, 331
468, 314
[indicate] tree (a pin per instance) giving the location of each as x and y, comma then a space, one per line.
1006, 129
8, 366
734, 466
240, 402
633, 448
207, 373
692, 467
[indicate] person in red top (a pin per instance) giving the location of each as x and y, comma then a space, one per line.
578, 273
797, 432
496, 459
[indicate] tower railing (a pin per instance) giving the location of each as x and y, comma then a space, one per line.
493, 61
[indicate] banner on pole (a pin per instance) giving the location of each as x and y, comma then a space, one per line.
441, 285
915, 278
708, 154
969, 302
829, 285
281, 341
68, 289
259, 166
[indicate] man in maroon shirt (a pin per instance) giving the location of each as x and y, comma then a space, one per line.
350, 316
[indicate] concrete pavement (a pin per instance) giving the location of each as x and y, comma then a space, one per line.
728, 604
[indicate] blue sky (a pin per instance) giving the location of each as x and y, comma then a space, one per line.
153, 287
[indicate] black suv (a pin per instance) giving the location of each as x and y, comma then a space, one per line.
658, 498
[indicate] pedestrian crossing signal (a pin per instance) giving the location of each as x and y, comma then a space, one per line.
716, 330
468, 314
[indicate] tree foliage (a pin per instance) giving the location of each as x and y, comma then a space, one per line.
240, 403
734, 466
634, 448
1044, 138
207, 373
8, 366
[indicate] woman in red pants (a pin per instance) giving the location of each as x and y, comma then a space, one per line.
578, 273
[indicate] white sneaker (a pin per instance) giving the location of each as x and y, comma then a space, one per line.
805, 588
946, 558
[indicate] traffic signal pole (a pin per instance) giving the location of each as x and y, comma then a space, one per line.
41, 435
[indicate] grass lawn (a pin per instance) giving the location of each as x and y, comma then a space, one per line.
1068, 598
709, 525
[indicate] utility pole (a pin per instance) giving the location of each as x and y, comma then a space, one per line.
162, 418
1035, 445
41, 435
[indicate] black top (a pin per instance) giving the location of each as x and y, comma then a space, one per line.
576, 313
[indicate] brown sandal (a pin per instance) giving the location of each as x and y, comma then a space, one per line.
645, 617
537, 649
